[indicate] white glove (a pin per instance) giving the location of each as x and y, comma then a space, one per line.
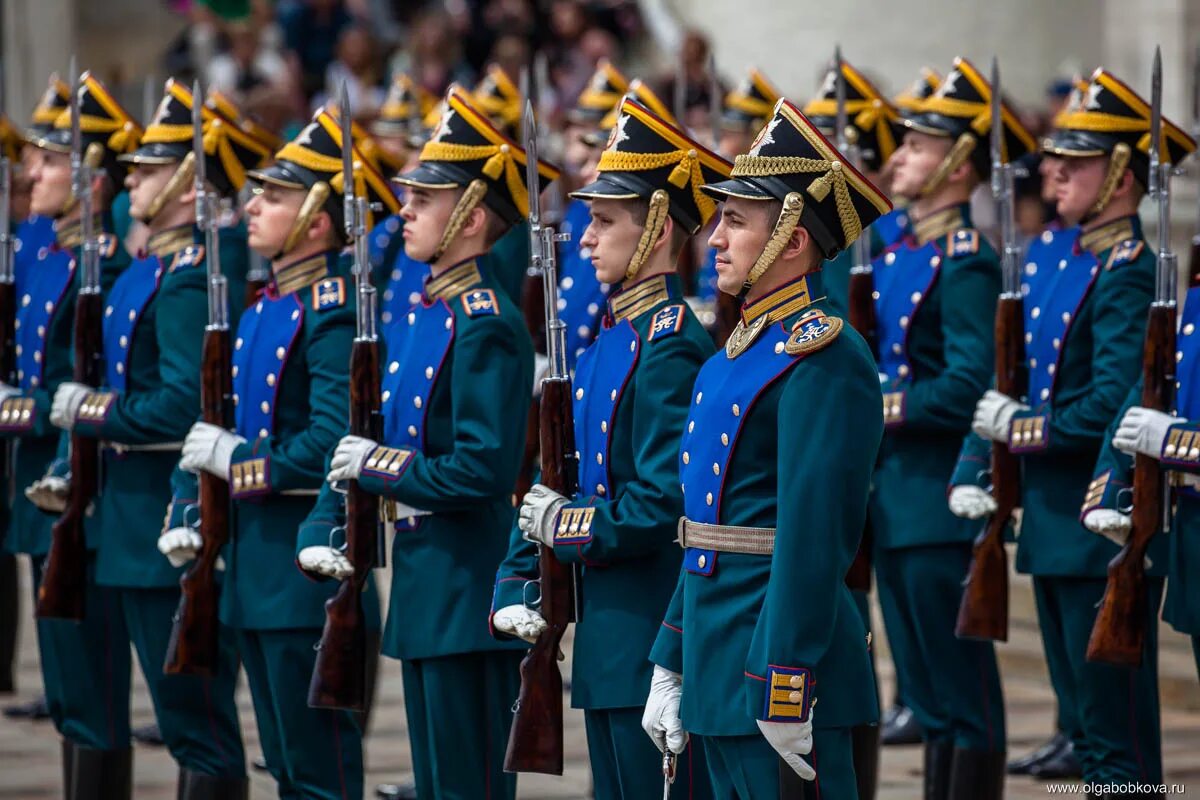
180, 545
348, 458
791, 740
539, 509
661, 720
541, 366
49, 493
322, 560
1111, 524
209, 448
971, 502
7, 391
993, 415
64, 409
517, 620
1143, 430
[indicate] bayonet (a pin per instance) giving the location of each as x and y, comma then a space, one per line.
840, 117
148, 98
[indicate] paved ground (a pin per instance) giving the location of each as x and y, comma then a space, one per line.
29, 765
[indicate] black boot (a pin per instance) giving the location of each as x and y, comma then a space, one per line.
198, 786
35, 709
864, 743
148, 734
9, 622
1046, 750
100, 774
396, 791
939, 757
1063, 764
900, 726
977, 775
68, 767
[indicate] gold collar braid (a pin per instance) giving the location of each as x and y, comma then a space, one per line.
832, 177
500, 161
687, 170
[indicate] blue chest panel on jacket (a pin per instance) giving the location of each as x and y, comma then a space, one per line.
601, 375
903, 277
891, 227
130, 295
1057, 277
31, 243
725, 391
1187, 396
417, 346
40, 289
266, 334
405, 277
706, 283
581, 296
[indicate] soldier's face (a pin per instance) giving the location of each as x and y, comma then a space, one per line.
51, 177
426, 213
613, 236
575, 153
739, 238
915, 161
146, 182
1077, 184
271, 213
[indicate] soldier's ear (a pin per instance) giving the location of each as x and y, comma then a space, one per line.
1127, 184
476, 223
798, 243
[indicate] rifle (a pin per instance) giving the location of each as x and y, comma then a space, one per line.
8, 290
860, 300
194, 648
339, 678
1119, 631
535, 743
61, 595
983, 611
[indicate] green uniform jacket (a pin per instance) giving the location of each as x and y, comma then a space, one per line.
623, 524
456, 389
1095, 361
45, 326
935, 310
784, 436
291, 363
154, 322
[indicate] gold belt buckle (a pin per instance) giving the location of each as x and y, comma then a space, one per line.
387, 510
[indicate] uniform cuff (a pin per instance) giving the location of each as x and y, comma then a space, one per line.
387, 463
1103, 492
787, 693
1029, 432
667, 650
894, 408
16, 414
250, 477
95, 407
1181, 448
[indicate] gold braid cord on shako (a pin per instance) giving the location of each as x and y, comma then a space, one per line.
687, 170
833, 176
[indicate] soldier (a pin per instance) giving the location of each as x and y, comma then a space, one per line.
85, 666
937, 292
455, 399
1085, 317
632, 392
33, 236
749, 643
155, 317
290, 384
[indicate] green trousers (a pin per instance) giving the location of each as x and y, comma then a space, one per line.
311, 752
627, 766
747, 767
898, 641
1118, 738
197, 716
459, 712
953, 684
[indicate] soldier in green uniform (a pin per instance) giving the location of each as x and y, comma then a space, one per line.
632, 393
155, 317
937, 293
455, 399
1085, 322
290, 375
782, 430
85, 665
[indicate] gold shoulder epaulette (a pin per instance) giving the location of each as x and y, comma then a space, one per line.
813, 331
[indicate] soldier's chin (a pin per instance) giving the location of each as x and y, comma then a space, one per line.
417, 251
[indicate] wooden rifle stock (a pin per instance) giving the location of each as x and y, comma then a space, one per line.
194, 648
535, 743
1120, 628
339, 678
61, 595
983, 611
861, 311
533, 301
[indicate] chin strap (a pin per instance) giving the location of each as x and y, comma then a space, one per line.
656, 218
176, 186
958, 154
471, 197
785, 226
1118, 161
92, 158
313, 203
